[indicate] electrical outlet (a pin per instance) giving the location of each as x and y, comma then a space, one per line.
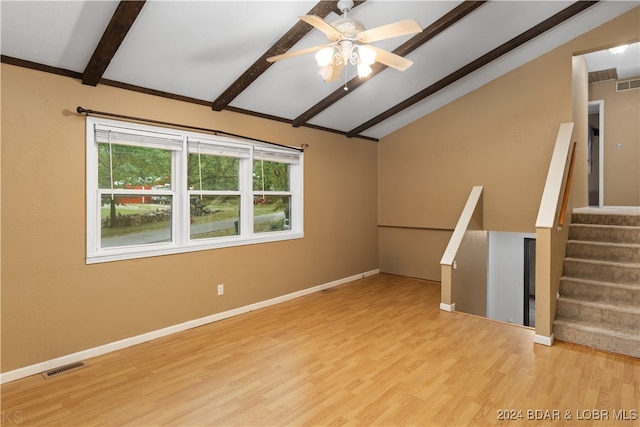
220, 289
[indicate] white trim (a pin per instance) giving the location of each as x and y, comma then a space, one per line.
448, 307
541, 339
451, 251
600, 151
555, 177
148, 336
180, 241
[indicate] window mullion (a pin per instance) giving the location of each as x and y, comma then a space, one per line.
246, 187
181, 215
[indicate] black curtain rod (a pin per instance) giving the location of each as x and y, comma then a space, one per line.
81, 110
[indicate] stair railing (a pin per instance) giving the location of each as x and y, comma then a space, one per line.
567, 187
551, 235
451, 267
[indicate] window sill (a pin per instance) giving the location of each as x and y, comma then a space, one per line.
121, 254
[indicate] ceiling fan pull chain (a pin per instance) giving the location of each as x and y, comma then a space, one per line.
345, 79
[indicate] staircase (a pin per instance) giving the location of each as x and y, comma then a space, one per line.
599, 302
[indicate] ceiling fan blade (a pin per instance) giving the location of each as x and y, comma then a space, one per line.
391, 59
297, 52
400, 28
332, 32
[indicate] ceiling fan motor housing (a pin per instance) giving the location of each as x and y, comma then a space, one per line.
348, 27
345, 6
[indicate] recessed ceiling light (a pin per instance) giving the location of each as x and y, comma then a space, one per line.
618, 49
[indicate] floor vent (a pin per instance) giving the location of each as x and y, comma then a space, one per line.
627, 85
63, 369
326, 291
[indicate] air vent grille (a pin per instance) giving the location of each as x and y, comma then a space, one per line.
625, 85
63, 369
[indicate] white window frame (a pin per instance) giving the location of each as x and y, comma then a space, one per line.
180, 217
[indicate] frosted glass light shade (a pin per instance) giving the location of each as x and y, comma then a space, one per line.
324, 56
367, 55
326, 72
364, 70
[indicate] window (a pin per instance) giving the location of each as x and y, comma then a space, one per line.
155, 191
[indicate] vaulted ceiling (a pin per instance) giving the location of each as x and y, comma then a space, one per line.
214, 53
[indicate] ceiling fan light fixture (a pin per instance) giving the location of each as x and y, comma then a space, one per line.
618, 49
324, 56
367, 55
326, 72
345, 49
364, 70
345, 52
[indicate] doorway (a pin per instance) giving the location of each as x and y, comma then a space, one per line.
595, 153
529, 282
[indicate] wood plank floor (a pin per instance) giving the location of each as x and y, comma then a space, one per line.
376, 352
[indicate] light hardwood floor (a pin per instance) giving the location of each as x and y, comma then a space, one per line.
377, 351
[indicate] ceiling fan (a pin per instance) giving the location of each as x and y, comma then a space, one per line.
349, 44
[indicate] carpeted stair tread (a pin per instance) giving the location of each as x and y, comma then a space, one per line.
624, 318
604, 251
626, 308
600, 282
606, 292
605, 219
596, 336
589, 326
611, 263
607, 271
605, 233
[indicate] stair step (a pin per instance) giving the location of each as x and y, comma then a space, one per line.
595, 336
605, 233
604, 292
599, 294
604, 251
616, 317
606, 218
604, 271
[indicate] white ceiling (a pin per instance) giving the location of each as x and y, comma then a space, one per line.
197, 49
626, 63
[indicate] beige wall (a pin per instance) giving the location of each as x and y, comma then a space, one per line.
469, 278
413, 252
53, 304
499, 136
621, 167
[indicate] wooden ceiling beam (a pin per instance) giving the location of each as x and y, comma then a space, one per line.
496, 53
120, 24
286, 42
410, 45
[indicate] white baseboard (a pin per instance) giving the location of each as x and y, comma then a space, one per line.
541, 339
37, 368
448, 307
